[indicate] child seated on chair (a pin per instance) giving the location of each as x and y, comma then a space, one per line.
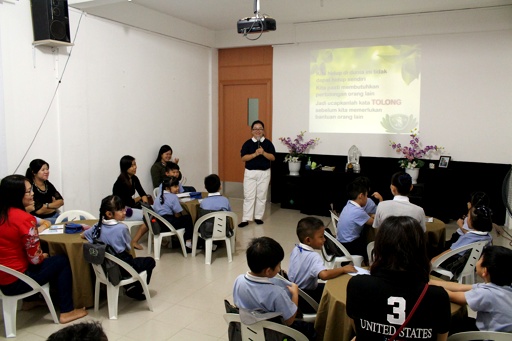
352, 220
257, 289
117, 235
168, 206
480, 226
371, 206
306, 265
492, 299
215, 201
477, 199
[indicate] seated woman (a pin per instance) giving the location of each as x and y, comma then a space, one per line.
113, 232
158, 168
401, 186
124, 187
47, 200
399, 277
20, 249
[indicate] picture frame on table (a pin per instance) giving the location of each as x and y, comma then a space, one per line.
444, 161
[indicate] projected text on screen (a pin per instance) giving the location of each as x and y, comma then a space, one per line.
365, 89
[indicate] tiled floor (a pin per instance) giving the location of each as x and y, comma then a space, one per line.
187, 294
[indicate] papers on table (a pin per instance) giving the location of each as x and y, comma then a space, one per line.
430, 219
186, 199
183, 195
54, 229
360, 271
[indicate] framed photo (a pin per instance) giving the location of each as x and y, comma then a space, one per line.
444, 161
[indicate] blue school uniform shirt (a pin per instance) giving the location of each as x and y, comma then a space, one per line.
305, 265
370, 207
181, 190
351, 222
251, 292
471, 236
492, 305
113, 233
215, 202
170, 206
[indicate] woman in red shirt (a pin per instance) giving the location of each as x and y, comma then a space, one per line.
20, 249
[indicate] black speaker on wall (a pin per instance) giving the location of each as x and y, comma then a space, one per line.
50, 20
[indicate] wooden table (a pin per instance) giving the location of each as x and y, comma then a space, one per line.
332, 322
71, 246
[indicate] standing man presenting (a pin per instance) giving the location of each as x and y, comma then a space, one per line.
257, 153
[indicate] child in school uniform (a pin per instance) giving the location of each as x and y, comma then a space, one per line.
480, 226
168, 206
371, 206
492, 299
257, 289
117, 235
215, 201
306, 265
352, 220
477, 199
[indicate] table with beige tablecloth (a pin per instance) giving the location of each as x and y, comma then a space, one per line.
332, 322
71, 246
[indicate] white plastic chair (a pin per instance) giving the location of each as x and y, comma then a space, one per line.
155, 193
157, 238
369, 251
255, 332
74, 215
10, 303
331, 261
334, 219
480, 335
220, 225
309, 300
467, 275
113, 290
132, 223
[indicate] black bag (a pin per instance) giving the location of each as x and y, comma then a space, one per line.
94, 253
206, 228
331, 248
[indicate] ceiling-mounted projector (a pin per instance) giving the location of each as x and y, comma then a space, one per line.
257, 24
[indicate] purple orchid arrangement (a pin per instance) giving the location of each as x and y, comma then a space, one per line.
297, 147
414, 152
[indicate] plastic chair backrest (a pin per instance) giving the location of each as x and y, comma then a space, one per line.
255, 332
334, 219
469, 269
148, 213
220, 223
480, 335
369, 251
74, 215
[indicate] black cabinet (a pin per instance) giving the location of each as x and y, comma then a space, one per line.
442, 192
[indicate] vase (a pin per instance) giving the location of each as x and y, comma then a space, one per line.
413, 172
294, 168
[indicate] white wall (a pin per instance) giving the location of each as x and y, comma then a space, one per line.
124, 91
466, 81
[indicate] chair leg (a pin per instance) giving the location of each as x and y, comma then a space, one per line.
113, 299
46, 295
182, 243
150, 240
97, 296
146, 291
158, 245
228, 250
9, 308
195, 237
208, 251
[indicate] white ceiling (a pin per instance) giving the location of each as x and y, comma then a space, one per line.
220, 15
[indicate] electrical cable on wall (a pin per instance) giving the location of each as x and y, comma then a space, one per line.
53, 97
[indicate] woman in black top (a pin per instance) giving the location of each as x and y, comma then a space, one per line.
47, 200
125, 186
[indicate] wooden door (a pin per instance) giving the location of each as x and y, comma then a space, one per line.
234, 128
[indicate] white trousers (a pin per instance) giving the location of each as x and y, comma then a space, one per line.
255, 193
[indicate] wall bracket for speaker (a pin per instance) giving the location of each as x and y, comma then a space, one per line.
52, 43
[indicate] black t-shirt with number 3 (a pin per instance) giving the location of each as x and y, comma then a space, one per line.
380, 303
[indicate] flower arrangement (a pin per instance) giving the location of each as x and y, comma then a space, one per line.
297, 148
414, 151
